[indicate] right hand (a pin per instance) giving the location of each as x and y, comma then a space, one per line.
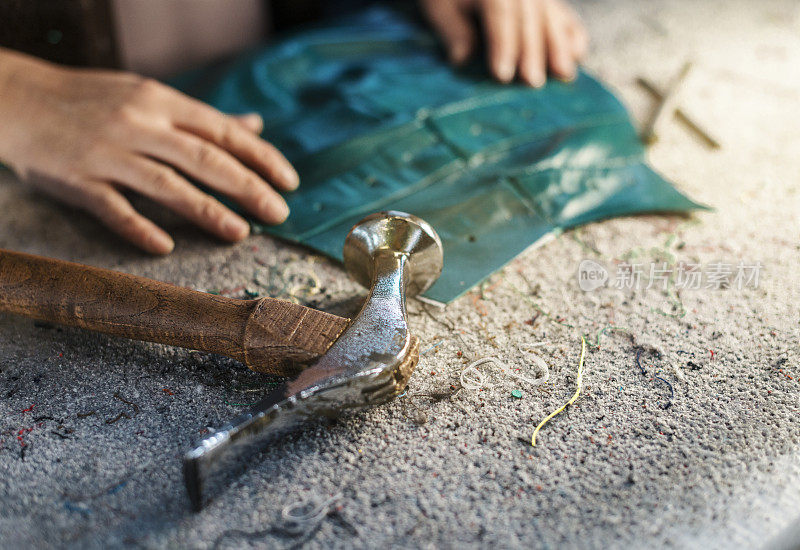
83, 136
523, 37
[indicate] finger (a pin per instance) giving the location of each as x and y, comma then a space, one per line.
200, 119
577, 31
532, 65
115, 212
215, 168
559, 51
502, 36
454, 26
580, 40
163, 185
251, 121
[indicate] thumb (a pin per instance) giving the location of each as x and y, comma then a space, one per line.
454, 25
251, 121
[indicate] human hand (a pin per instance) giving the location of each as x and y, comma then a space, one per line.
84, 136
523, 37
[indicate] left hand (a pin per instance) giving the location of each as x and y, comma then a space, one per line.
523, 37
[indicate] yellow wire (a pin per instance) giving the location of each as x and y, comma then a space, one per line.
571, 401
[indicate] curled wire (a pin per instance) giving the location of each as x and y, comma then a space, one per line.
474, 379
302, 516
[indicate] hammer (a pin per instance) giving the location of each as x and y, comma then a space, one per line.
338, 363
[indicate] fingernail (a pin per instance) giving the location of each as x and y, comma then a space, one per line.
255, 121
535, 78
274, 210
568, 75
235, 228
505, 71
566, 71
160, 243
291, 178
459, 53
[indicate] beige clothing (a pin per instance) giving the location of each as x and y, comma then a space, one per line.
161, 37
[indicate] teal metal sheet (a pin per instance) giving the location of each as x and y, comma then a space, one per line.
373, 118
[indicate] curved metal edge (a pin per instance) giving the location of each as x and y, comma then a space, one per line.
277, 415
369, 364
398, 232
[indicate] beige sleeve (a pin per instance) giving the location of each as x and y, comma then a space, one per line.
161, 37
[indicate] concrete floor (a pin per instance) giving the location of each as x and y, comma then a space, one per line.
717, 468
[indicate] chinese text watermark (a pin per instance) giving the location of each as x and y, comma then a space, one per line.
662, 276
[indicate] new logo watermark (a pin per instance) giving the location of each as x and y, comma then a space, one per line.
591, 275
660, 275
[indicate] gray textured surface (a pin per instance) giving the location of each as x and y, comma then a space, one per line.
717, 469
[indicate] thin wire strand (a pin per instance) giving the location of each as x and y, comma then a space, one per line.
298, 523
479, 379
473, 379
572, 399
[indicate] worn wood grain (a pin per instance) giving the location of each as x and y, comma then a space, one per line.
266, 334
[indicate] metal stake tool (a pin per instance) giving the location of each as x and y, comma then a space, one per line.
396, 255
353, 363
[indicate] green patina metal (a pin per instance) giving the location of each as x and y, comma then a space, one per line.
373, 118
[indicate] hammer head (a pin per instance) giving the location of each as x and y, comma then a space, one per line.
395, 233
395, 255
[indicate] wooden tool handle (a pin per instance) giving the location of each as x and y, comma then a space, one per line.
266, 334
